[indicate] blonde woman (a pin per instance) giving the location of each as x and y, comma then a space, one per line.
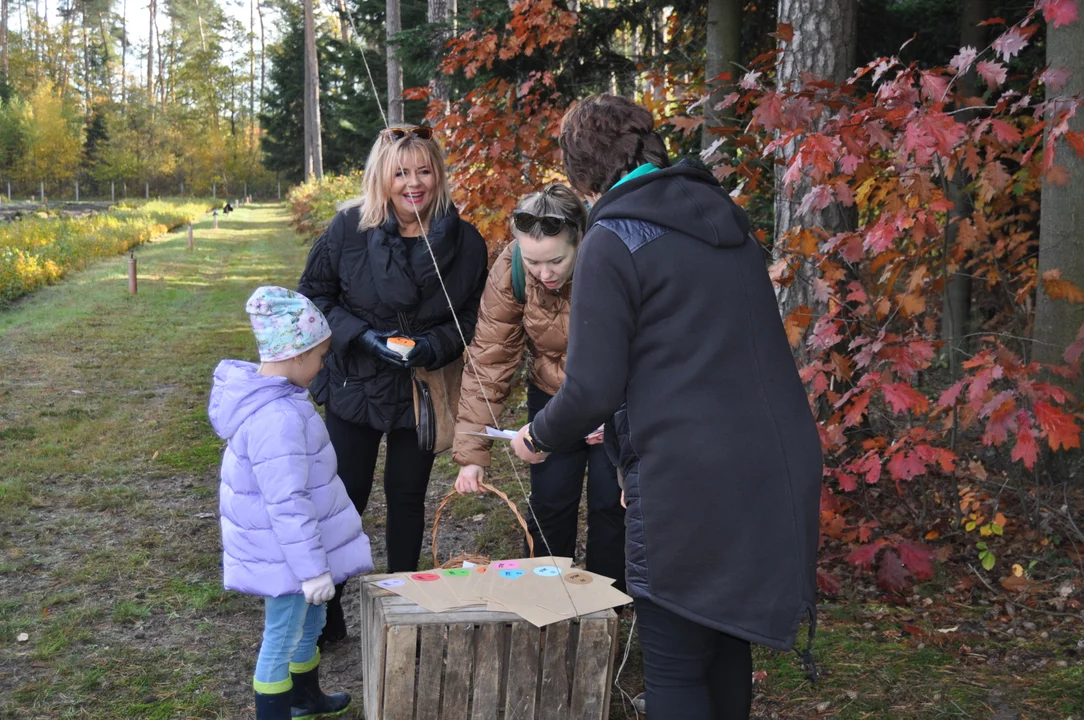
373, 276
525, 311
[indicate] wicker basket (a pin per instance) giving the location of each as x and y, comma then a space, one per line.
462, 557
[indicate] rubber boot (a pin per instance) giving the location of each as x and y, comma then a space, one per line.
335, 625
309, 701
273, 706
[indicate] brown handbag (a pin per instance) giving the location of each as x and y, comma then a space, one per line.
436, 401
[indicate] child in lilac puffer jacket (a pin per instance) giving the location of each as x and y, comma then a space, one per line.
289, 531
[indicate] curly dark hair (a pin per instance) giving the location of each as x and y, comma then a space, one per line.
603, 137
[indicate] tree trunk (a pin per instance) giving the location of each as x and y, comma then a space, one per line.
252, 64
150, 51
161, 68
439, 14
723, 55
86, 60
107, 57
124, 53
344, 22
171, 88
4, 37
263, 55
1061, 234
956, 302
65, 57
395, 68
314, 162
824, 47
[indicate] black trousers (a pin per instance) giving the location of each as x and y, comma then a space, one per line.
556, 488
406, 479
692, 672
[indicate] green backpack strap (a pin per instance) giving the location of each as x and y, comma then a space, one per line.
519, 275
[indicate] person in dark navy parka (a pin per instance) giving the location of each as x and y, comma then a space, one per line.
676, 341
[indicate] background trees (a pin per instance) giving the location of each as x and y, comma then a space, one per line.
88, 97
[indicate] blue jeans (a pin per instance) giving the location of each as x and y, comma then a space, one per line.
291, 627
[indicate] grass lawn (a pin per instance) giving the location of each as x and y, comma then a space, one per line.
109, 542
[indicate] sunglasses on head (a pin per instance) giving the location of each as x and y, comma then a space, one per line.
422, 132
549, 224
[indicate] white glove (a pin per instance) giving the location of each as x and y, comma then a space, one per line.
318, 590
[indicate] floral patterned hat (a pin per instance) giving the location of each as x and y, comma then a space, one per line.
286, 323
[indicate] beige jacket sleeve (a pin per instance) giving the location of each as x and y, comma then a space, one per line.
497, 350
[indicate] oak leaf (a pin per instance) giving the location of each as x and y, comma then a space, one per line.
1060, 12
917, 558
902, 397
891, 575
1060, 427
1058, 289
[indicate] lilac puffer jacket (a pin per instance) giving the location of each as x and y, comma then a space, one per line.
285, 513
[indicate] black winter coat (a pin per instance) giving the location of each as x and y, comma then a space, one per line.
674, 322
373, 279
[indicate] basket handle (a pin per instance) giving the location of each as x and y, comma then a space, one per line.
498, 493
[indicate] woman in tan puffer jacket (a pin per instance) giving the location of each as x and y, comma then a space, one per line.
547, 227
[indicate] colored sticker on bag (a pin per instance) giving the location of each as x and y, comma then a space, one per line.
506, 564
391, 582
457, 572
578, 578
511, 574
547, 571
424, 577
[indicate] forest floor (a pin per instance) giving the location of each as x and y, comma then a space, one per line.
111, 599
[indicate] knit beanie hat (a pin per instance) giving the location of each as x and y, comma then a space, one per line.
286, 323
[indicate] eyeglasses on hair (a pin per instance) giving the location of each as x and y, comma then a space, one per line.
549, 224
422, 132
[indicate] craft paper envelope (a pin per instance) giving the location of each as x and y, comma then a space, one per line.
546, 598
501, 572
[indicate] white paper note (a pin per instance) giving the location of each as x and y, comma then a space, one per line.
494, 434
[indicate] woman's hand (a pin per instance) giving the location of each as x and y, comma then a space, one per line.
376, 344
596, 437
519, 446
423, 355
470, 479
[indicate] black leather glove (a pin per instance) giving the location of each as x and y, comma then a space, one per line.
375, 343
423, 355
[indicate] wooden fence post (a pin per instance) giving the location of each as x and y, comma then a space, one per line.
132, 286
191, 244
112, 191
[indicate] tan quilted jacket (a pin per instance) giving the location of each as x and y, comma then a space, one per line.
505, 330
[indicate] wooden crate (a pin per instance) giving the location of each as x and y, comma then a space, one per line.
472, 664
